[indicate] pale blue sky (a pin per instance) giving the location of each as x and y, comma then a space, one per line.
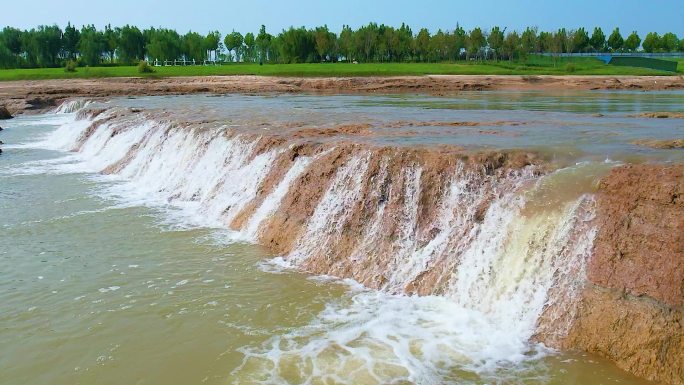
247, 15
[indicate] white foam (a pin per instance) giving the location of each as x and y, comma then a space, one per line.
380, 338
325, 225
72, 106
108, 289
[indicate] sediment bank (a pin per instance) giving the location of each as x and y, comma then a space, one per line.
39, 95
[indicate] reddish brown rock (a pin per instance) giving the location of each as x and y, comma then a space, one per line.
640, 335
631, 310
640, 245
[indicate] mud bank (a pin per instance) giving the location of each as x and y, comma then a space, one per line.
27, 96
587, 257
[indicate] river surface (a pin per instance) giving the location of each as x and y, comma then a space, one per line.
102, 285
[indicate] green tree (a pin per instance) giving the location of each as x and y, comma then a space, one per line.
163, 44
91, 45
405, 42
580, 40
70, 41
495, 40
632, 42
346, 42
669, 42
297, 45
529, 41
560, 41
11, 38
263, 44
193, 47
460, 40
389, 43
615, 40
10, 47
438, 46
212, 44
366, 41
557, 43
545, 41
598, 40
423, 44
476, 42
233, 42
131, 47
651, 42
249, 46
511, 46
42, 46
111, 41
325, 42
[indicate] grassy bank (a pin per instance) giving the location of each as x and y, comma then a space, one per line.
533, 66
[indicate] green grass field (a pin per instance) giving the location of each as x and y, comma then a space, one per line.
536, 65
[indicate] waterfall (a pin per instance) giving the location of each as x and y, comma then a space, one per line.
398, 220
71, 106
271, 203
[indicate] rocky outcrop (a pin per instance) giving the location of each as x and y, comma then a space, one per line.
640, 335
4, 113
640, 247
392, 212
632, 310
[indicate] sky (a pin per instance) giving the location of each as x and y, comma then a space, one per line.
247, 15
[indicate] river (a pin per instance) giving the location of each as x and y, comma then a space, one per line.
105, 281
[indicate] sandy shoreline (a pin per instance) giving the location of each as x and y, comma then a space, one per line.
35, 95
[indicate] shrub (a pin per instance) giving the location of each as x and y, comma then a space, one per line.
570, 67
70, 66
145, 68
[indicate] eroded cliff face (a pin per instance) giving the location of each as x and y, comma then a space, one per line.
640, 335
538, 251
631, 311
640, 247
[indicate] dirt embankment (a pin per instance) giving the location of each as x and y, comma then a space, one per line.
633, 308
36, 95
660, 115
664, 144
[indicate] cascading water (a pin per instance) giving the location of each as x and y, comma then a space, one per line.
71, 106
498, 263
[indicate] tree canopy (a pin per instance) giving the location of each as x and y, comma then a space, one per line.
50, 46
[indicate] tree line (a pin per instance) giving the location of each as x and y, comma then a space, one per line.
50, 46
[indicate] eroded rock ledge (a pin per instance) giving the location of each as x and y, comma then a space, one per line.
633, 309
